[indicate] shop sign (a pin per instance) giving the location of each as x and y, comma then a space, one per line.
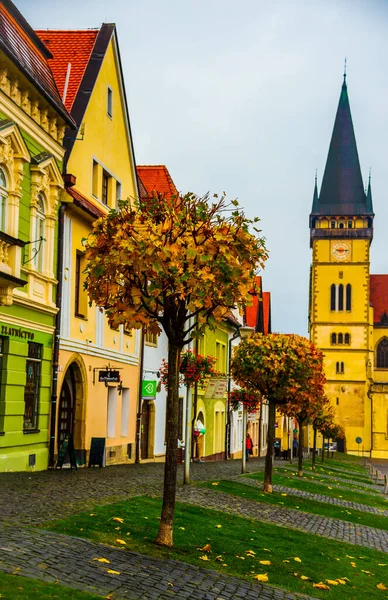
109, 376
17, 332
148, 389
216, 389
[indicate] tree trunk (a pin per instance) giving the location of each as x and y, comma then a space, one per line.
300, 449
314, 449
270, 448
328, 446
164, 537
323, 448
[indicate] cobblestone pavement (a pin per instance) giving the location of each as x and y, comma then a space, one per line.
53, 557
319, 497
369, 537
380, 464
37, 497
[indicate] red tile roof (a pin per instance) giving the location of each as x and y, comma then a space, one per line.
19, 42
82, 202
69, 47
379, 296
267, 312
156, 178
251, 312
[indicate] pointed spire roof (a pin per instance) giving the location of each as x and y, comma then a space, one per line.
315, 196
342, 190
369, 205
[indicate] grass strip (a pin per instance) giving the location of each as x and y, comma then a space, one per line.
325, 487
15, 587
341, 474
238, 546
286, 500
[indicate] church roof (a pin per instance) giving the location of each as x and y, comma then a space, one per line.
379, 298
342, 190
156, 179
258, 315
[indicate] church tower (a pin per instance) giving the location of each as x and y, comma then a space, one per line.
340, 317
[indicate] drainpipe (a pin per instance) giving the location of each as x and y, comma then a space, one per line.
227, 433
139, 397
57, 332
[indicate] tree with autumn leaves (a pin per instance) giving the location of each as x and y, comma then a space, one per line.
177, 265
285, 369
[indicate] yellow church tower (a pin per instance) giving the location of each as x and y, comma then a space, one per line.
340, 316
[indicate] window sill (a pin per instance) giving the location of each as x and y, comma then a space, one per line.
82, 317
28, 431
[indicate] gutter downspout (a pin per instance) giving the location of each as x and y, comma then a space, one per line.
139, 398
227, 433
57, 333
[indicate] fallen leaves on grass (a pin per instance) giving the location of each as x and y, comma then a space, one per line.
102, 560
206, 548
118, 519
353, 564
297, 559
332, 581
215, 482
122, 542
204, 557
112, 572
265, 562
381, 586
341, 581
261, 577
183, 528
321, 586
218, 526
304, 577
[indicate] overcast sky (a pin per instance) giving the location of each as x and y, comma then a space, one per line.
241, 96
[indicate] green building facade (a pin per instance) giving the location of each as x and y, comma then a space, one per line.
32, 127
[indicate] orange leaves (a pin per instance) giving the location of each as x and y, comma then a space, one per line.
381, 586
147, 257
321, 586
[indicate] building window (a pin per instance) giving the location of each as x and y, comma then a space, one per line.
348, 297
80, 296
347, 338
382, 354
340, 338
105, 187
3, 201
333, 295
342, 225
151, 339
38, 247
350, 224
96, 178
340, 297
32, 388
337, 401
220, 357
333, 338
340, 368
109, 102
332, 225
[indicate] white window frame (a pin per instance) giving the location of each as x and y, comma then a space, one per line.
39, 232
3, 201
109, 102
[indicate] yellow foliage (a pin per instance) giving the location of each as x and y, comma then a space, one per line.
261, 577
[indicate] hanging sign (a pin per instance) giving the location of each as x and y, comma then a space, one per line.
109, 376
358, 440
148, 389
216, 389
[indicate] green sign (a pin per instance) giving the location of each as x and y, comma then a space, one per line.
148, 389
358, 440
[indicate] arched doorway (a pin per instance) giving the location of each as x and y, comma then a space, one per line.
71, 410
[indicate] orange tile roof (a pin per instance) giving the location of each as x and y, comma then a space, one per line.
156, 178
74, 47
267, 312
20, 43
251, 312
379, 296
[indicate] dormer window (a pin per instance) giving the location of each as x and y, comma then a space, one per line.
3, 200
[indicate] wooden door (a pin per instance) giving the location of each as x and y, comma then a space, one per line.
65, 413
145, 425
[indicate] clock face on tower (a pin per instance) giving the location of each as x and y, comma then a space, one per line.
340, 251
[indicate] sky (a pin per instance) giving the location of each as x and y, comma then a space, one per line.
241, 97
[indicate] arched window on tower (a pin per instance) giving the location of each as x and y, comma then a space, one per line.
333, 338
342, 225
348, 297
3, 201
332, 296
340, 338
347, 338
382, 354
340, 297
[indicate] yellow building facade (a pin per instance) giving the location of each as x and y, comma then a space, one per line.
100, 170
345, 300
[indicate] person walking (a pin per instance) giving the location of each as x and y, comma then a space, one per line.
248, 446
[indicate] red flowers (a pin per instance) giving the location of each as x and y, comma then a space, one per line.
249, 398
194, 368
